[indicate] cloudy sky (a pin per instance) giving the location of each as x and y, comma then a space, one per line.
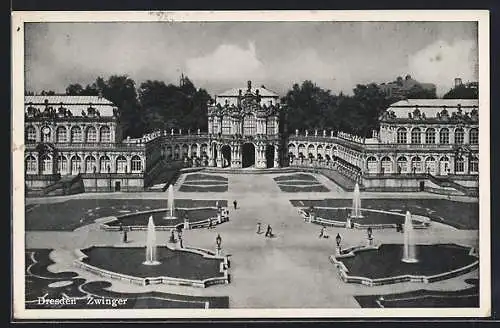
222, 55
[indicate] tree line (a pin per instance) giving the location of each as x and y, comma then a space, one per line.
154, 105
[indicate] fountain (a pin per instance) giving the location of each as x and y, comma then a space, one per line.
170, 204
409, 255
151, 244
356, 203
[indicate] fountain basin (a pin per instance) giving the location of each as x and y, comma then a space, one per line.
199, 217
381, 265
186, 267
375, 219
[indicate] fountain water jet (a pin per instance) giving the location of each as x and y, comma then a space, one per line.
170, 204
356, 203
409, 252
151, 244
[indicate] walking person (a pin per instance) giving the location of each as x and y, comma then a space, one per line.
322, 232
259, 228
125, 235
235, 203
269, 231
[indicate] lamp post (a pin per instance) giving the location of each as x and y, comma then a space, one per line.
338, 239
369, 232
218, 241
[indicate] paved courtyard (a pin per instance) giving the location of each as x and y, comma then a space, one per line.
289, 271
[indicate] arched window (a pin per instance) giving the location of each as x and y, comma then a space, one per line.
474, 136
62, 165
177, 151
105, 134
185, 150
249, 125
61, 134
430, 165
319, 149
30, 134
291, 148
104, 164
90, 164
136, 164
459, 136
46, 162
386, 164
444, 163
416, 164
310, 151
226, 125
121, 164
474, 164
402, 165
371, 164
31, 165
459, 164
76, 134
430, 136
75, 164
402, 136
194, 150
46, 134
91, 134
444, 136
416, 136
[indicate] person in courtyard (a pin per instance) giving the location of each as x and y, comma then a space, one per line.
235, 203
322, 233
172, 236
259, 228
269, 231
210, 224
125, 235
121, 226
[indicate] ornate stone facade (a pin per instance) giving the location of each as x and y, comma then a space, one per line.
243, 129
419, 139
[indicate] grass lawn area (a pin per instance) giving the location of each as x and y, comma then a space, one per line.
173, 263
200, 188
198, 176
386, 261
298, 176
40, 282
460, 215
298, 183
423, 298
65, 216
315, 188
205, 183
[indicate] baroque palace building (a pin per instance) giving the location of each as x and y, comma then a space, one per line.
422, 144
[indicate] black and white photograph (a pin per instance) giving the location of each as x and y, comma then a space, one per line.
251, 164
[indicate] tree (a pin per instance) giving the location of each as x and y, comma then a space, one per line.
167, 106
418, 92
462, 92
74, 89
309, 107
47, 93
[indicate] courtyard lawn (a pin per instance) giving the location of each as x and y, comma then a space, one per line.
40, 282
200, 188
74, 213
298, 176
205, 183
309, 188
198, 176
298, 183
173, 263
461, 215
423, 298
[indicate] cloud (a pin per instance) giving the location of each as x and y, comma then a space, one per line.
441, 62
227, 64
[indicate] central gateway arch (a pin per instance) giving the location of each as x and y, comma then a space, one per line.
243, 128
